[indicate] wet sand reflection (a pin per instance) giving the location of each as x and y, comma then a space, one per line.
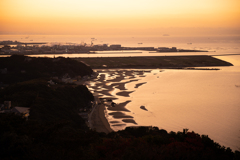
110, 85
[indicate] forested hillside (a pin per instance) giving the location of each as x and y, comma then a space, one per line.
27, 84
48, 104
19, 68
22, 139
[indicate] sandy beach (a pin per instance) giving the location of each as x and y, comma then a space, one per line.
99, 121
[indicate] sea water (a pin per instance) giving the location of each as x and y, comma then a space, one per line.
204, 101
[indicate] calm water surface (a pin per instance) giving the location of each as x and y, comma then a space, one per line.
204, 101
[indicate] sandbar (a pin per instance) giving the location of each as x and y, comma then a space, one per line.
104, 85
129, 121
124, 93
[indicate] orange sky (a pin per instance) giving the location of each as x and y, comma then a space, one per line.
119, 16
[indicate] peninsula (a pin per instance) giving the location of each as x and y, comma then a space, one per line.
162, 62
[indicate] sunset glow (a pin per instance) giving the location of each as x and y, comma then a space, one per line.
116, 16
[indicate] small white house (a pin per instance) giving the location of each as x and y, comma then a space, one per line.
21, 110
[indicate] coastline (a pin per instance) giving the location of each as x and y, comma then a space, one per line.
98, 120
111, 85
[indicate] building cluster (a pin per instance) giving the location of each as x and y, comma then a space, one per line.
6, 107
67, 79
10, 47
15, 47
166, 49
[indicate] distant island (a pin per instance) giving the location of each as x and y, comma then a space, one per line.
24, 48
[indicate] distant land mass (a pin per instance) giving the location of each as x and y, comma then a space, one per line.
153, 62
23, 48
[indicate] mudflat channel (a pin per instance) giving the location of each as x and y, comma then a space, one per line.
153, 62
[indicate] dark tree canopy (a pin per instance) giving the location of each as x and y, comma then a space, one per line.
21, 68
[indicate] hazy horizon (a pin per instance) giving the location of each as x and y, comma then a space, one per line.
105, 17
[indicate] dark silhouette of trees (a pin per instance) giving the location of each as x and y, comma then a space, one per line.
22, 68
21, 139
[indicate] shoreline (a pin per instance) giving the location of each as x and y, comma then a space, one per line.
118, 117
114, 89
98, 120
111, 85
